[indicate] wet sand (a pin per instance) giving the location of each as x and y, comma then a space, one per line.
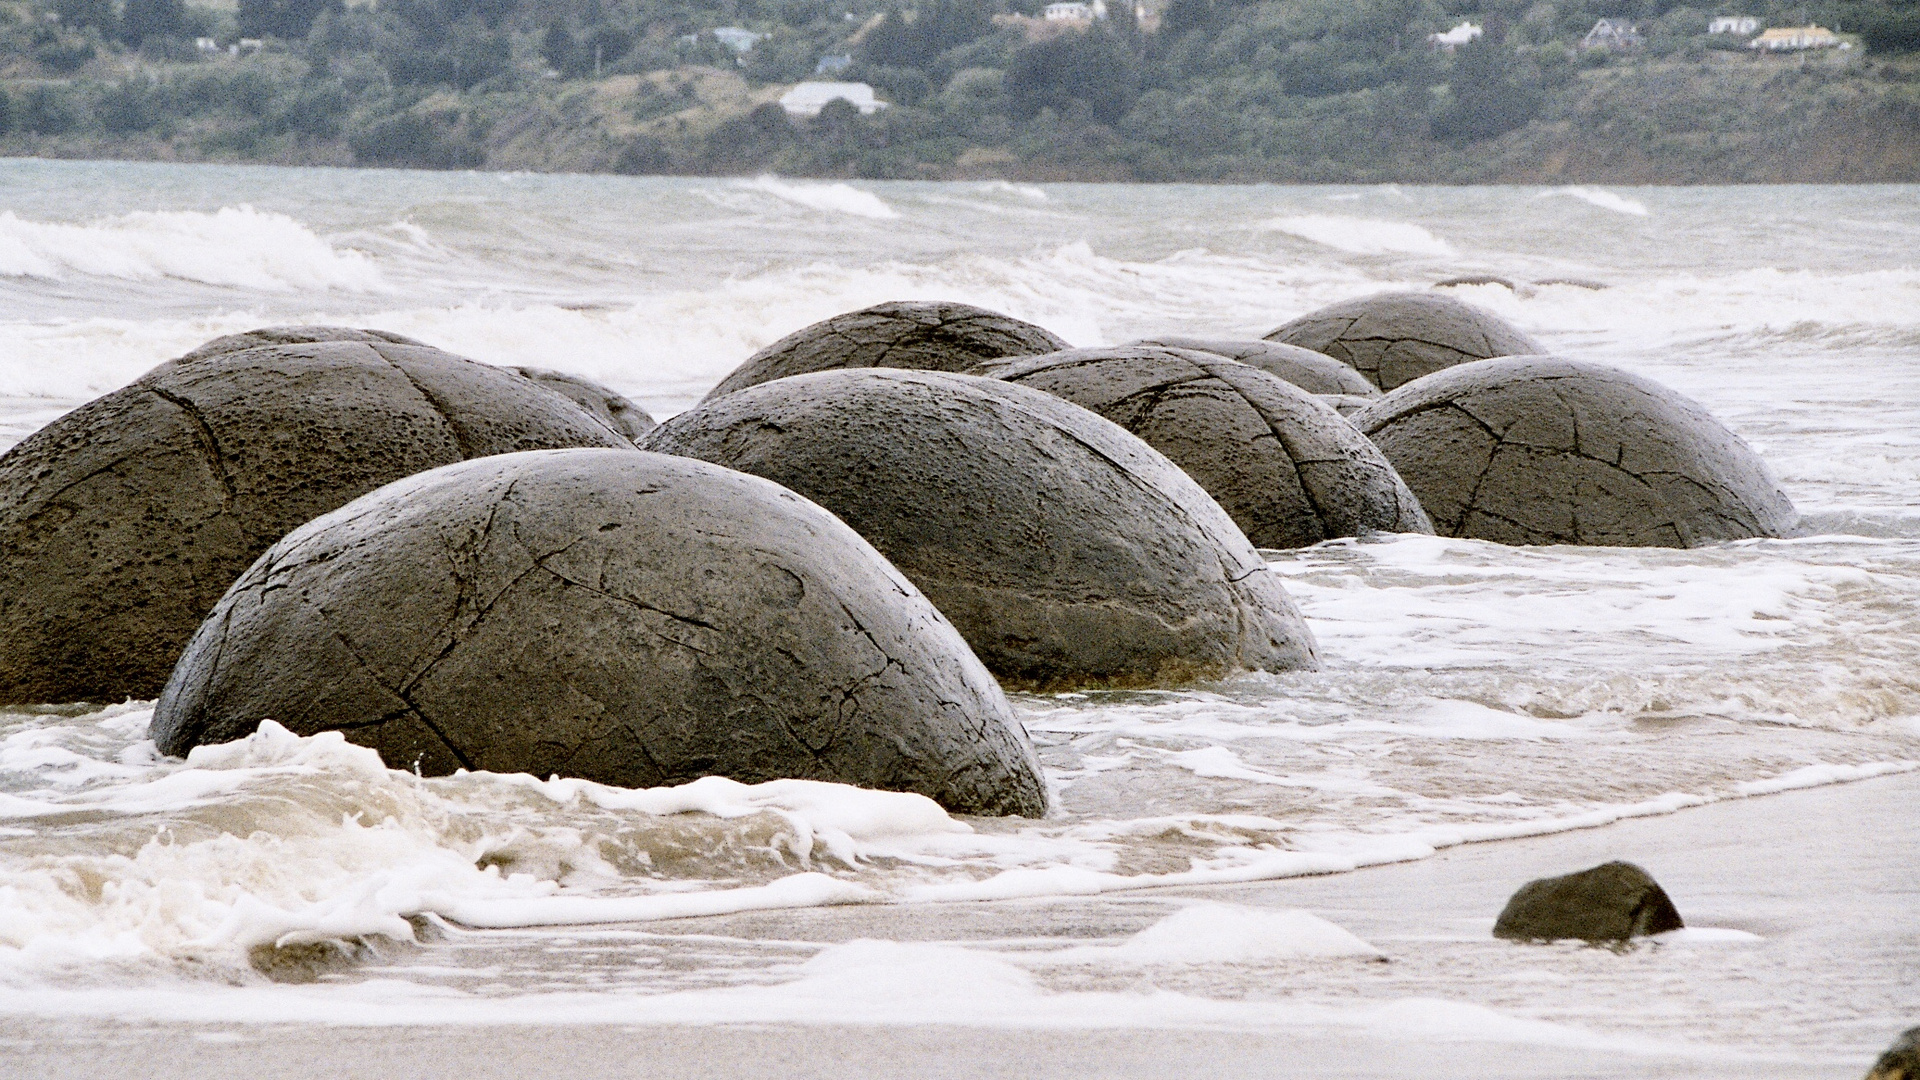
1825, 877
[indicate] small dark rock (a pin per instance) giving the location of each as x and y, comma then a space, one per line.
625, 617
1539, 450
1396, 337
606, 406
1316, 373
1287, 468
1610, 903
122, 522
1066, 550
925, 335
1902, 1059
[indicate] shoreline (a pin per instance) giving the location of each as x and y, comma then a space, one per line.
1720, 862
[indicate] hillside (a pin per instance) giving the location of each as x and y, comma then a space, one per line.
1206, 90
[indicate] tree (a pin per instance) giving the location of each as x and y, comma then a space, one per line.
143, 19
288, 19
1492, 93
1092, 68
557, 47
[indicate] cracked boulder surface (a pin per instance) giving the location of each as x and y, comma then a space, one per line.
624, 617
1610, 903
285, 335
122, 522
1316, 373
608, 407
925, 335
1540, 450
1394, 338
1288, 469
1066, 551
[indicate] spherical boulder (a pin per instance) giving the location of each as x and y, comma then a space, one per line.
926, 335
1539, 450
1066, 550
122, 522
624, 617
609, 408
1288, 469
1612, 902
287, 335
1316, 373
1396, 337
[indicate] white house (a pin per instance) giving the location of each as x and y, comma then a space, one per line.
1611, 34
735, 38
1734, 24
808, 98
1070, 11
1455, 37
1791, 38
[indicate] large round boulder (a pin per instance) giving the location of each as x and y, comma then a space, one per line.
624, 617
122, 522
606, 406
1066, 550
286, 335
1394, 338
1316, 373
927, 335
1610, 903
1902, 1059
1539, 450
1288, 469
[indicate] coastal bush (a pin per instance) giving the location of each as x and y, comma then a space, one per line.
417, 140
1094, 70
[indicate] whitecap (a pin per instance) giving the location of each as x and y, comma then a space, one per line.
1363, 236
235, 247
833, 198
1600, 197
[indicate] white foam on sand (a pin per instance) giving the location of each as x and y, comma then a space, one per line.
235, 246
1363, 236
831, 198
1209, 933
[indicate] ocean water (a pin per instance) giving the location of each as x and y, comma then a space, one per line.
1471, 693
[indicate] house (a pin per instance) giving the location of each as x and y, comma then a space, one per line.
1794, 38
1734, 24
808, 98
1455, 37
737, 39
1611, 34
206, 45
833, 65
1075, 11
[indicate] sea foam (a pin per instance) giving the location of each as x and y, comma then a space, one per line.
237, 247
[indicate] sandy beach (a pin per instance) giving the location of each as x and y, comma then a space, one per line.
1762, 866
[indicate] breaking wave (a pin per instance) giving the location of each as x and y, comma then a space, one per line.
236, 247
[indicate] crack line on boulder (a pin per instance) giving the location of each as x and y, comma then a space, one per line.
204, 432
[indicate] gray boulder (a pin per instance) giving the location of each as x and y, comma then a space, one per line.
1902, 1059
1610, 903
1316, 373
1396, 337
122, 522
624, 617
1287, 468
286, 335
926, 335
606, 406
1066, 550
1538, 450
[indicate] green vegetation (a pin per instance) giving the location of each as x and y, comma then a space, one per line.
1286, 90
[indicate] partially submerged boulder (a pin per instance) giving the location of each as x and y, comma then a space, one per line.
1539, 450
1066, 550
122, 522
1287, 468
1316, 373
926, 335
1612, 902
628, 618
608, 407
1394, 338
